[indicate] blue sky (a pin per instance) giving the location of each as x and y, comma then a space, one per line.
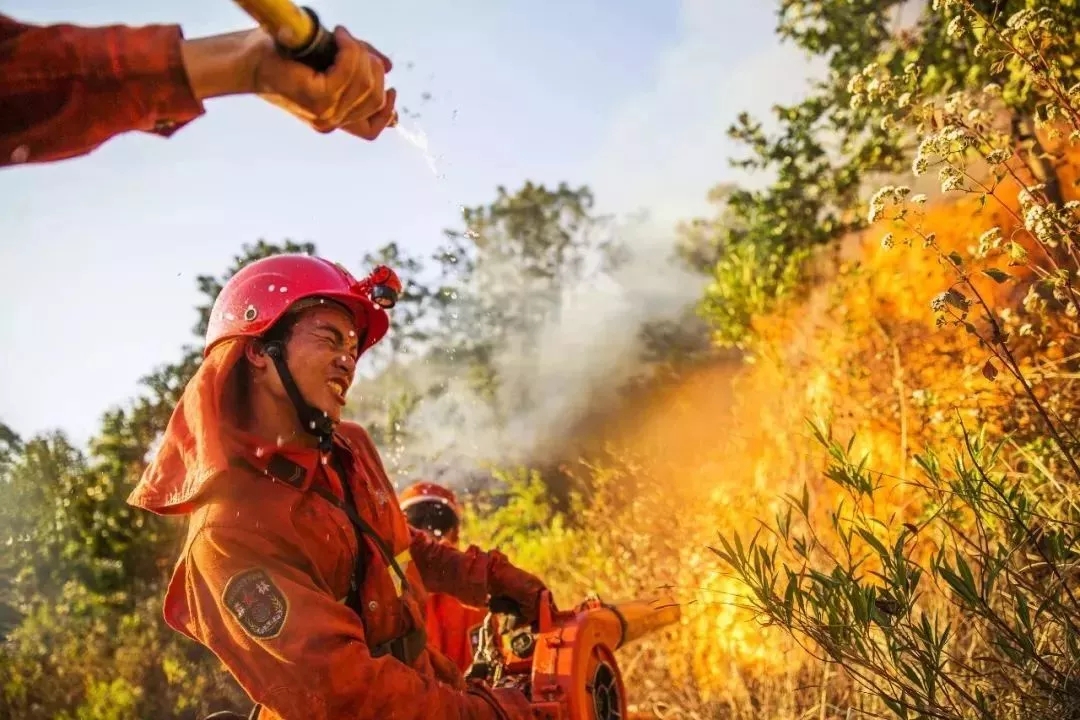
98, 255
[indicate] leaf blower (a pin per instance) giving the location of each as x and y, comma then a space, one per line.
565, 661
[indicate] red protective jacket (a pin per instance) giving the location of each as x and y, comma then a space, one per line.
451, 626
268, 560
65, 90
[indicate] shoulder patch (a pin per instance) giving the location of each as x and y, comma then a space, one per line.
256, 603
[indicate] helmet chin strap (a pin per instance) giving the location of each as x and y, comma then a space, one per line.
313, 420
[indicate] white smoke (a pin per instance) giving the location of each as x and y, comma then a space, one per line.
552, 377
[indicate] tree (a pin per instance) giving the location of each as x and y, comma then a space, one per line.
411, 326
503, 274
493, 285
829, 146
943, 43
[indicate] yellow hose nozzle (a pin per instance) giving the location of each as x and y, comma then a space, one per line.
297, 31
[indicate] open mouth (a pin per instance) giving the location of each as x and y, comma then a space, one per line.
338, 388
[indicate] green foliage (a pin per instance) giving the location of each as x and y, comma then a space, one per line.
522, 521
967, 612
748, 280
76, 657
965, 606
828, 147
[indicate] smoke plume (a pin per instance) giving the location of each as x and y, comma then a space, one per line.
553, 376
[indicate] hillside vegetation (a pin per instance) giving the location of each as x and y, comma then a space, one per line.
839, 422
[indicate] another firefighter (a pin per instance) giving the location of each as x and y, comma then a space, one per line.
299, 570
451, 625
67, 89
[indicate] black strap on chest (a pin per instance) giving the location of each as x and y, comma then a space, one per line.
361, 526
407, 647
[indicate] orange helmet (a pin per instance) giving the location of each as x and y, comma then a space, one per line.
262, 292
432, 508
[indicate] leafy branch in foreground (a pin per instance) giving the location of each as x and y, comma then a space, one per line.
961, 601
963, 610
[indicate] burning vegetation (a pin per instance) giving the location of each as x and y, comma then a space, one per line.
839, 424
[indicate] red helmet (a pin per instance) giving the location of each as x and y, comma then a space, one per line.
259, 294
423, 491
433, 509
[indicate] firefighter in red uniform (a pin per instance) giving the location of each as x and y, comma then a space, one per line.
66, 89
299, 570
451, 625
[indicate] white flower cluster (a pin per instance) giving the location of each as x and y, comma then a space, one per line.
883, 198
950, 141
1021, 18
1038, 218
988, 241
875, 84
951, 179
954, 138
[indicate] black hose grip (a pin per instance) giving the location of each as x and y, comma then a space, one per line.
319, 52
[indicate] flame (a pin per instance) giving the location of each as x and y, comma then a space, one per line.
716, 450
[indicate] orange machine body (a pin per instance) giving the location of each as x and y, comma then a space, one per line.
568, 666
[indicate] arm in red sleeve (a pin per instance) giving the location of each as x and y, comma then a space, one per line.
473, 575
297, 651
65, 90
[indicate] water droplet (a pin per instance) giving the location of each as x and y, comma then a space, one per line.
280, 441
283, 289
311, 424
259, 452
352, 333
271, 288
419, 140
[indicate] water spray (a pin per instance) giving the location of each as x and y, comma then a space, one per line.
301, 36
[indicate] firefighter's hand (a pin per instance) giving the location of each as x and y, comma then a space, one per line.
507, 581
351, 95
523, 614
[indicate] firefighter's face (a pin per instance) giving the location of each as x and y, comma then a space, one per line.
435, 519
321, 352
